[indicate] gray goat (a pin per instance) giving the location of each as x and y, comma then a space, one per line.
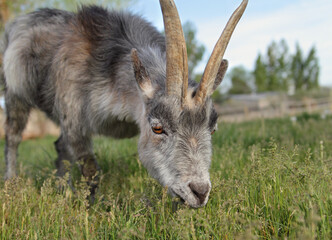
112, 73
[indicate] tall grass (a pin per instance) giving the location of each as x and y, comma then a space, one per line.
271, 179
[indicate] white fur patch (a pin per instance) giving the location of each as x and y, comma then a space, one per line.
190, 101
14, 69
110, 106
147, 89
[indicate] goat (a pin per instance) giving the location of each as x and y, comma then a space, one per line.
112, 73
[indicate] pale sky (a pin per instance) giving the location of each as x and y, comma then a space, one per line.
305, 21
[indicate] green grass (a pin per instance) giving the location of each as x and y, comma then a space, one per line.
271, 179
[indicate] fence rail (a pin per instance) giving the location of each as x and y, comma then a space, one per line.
249, 111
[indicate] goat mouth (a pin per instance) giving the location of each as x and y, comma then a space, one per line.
187, 198
176, 195
181, 198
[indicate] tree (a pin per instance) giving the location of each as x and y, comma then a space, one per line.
297, 68
311, 67
195, 50
283, 71
240, 78
271, 67
260, 75
277, 67
278, 70
4, 13
305, 70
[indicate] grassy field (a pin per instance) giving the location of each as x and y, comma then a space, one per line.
271, 179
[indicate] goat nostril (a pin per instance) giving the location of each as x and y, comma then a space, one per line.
200, 191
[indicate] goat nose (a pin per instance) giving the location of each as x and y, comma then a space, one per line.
200, 190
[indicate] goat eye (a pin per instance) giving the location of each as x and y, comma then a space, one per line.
157, 130
213, 131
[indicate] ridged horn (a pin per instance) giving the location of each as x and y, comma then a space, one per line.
176, 52
212, 67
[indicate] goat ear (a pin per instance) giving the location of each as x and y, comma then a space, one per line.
142, 78
220, 75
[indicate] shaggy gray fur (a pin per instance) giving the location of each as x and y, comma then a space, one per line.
77, 68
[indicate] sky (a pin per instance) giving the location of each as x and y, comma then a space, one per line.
307, 22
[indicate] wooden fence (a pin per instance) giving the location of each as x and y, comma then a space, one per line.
250, 111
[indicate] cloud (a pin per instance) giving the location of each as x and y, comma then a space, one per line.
307, 22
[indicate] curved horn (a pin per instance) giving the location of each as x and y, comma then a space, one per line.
211, 69
176, 51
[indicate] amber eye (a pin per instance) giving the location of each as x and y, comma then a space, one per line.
213, 132
157, 130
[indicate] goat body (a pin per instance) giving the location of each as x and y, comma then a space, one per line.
80, 69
